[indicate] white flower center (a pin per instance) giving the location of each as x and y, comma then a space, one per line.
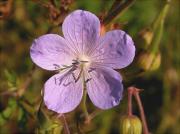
85, 61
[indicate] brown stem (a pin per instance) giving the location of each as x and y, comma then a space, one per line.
118, 9
66, 128
115, 5
129, 110
143, 118
92, 116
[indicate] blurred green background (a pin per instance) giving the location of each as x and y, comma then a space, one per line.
154, 27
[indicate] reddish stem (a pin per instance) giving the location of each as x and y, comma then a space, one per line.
130, 92
66, 128
143, 118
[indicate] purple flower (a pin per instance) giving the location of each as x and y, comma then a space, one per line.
84, 59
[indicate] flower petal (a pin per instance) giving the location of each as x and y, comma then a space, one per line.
105, 88
81, 29
50, 52
62, 94
116, 50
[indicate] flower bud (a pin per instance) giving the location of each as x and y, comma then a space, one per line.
149, 61
145, 37
130, 125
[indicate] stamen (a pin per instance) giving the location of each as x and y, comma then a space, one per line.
66, 84
60, 80
75, 62
56, 66
79, 76
84, 61
88, 80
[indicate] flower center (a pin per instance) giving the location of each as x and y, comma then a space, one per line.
84, 61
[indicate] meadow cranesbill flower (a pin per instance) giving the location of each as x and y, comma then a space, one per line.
85, 60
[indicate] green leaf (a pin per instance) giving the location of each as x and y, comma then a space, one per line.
6, 114
27, 107
11, 79
47, 124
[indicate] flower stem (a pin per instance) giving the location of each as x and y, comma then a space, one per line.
84, 106
129, 110
143, 118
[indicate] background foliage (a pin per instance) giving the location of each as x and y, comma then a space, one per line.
155, 30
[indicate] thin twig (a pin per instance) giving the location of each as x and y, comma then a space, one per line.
115, 5
9, 93
143, 118
92, 116
118, 9
66, 128
129, 110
